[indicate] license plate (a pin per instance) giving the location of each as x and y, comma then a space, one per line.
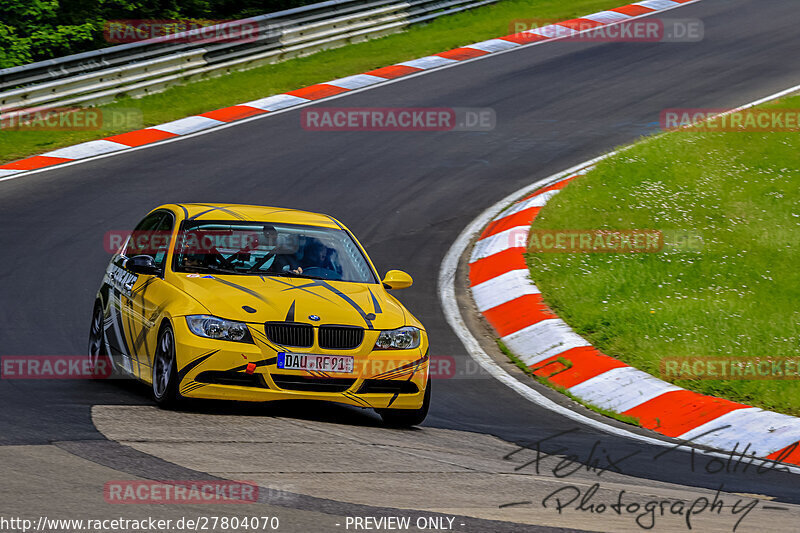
318, 363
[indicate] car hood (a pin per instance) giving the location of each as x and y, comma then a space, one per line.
272, 298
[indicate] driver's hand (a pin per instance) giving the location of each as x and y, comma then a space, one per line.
298, 270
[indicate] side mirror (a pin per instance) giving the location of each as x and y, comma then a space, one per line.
142, 264
397, 279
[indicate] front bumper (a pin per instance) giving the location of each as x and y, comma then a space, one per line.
381, 379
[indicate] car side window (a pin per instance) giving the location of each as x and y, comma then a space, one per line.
161, 247
151, 237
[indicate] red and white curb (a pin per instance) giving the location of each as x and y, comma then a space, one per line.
271, 104
505, 295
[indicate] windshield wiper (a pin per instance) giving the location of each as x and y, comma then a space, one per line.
212, 268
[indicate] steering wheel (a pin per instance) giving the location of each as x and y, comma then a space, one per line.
322, 272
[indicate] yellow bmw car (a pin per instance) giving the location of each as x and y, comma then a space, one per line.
253, 303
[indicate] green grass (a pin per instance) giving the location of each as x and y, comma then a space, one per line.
735, 293
190, 99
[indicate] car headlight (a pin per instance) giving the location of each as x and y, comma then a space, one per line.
398, 339
216, 328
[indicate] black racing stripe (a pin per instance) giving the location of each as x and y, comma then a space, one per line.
290, 287
394, 397
290, 314
126, 349
261, 337
394, 375
358, 399
191, 387
410, 377
243, 289
144, 287
375, 305
347, 299
190, 366
218, 208
411, 365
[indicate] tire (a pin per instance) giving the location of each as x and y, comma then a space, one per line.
99, 360
407, 417
165, 372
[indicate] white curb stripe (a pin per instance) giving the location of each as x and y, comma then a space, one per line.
503, 289
188, 125
494, 45
87, 149
658, 5
545, 339
607, 17
357, 81
765, 431
428, 62
516, 237
276, 102
8, 172
536, 201
554, 31
620, 389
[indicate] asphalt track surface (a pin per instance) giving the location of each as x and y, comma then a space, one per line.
406, 195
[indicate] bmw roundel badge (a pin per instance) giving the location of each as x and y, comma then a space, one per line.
315, 318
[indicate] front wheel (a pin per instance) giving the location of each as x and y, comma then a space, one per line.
99, 360
408, 417
165, 373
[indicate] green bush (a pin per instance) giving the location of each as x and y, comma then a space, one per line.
36, 30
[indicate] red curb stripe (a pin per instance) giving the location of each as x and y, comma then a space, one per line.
315, 92
554, 187
580, 24
32, 163
460, 54
496, 265
586, 362
523, 218
518, 314
524, 38
633, 10
236, 112
322, 90
676, 412
140, 137
792, 457
393, 71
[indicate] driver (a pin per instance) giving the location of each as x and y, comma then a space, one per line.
315, 254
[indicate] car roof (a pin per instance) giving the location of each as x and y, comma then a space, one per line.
253, 213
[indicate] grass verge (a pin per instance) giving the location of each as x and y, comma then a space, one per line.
182, 101
734, 293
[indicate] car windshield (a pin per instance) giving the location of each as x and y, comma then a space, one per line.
261, 248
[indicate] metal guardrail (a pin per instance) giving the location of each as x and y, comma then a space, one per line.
151, 66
